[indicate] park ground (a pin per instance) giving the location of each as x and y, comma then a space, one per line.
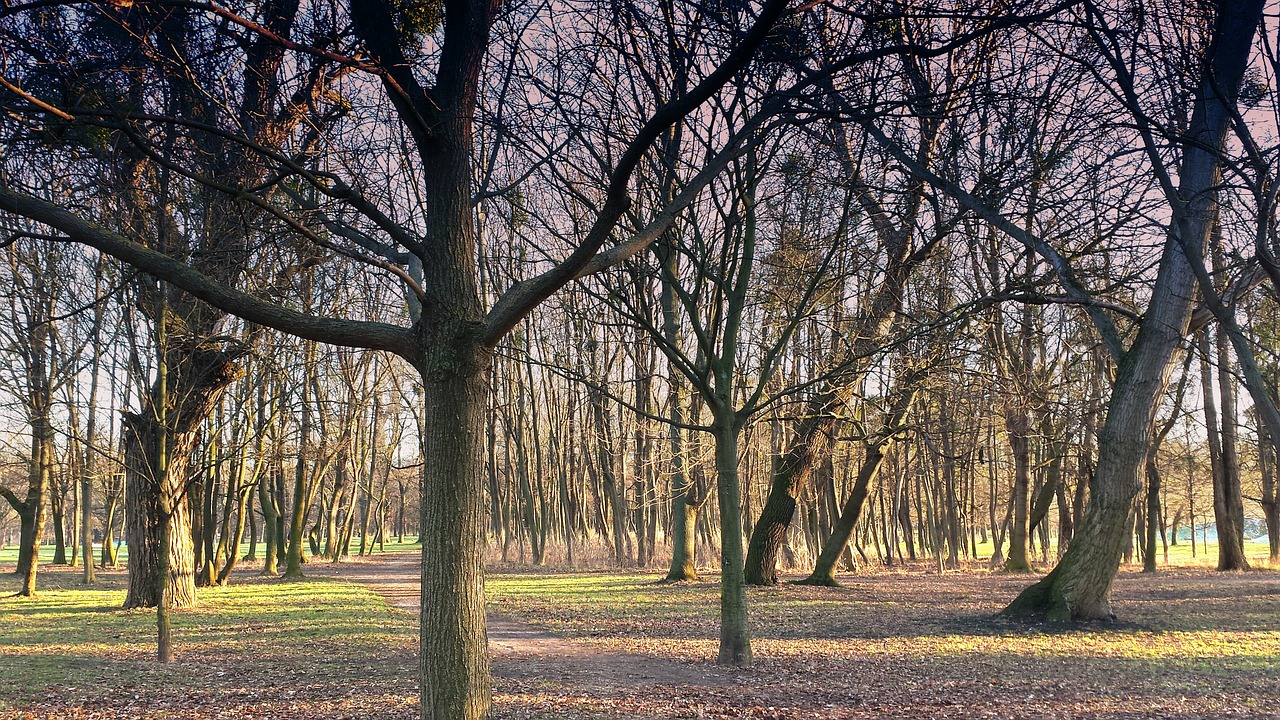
1190, 643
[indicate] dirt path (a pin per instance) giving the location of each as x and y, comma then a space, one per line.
524, 652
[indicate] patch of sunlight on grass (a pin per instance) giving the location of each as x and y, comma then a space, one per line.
48, 640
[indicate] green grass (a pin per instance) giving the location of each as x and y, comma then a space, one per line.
1175, 617
897, 637
1179, 555
896, 644
259, 641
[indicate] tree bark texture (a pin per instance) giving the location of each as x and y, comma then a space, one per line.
1079, 588
735, 635
197, 379
454, 647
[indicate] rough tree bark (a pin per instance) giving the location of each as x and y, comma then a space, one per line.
1079, 588
198, 378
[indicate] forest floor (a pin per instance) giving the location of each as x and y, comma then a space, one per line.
909, 644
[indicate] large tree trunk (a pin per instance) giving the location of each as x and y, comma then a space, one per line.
197, 380
1080, 586
454, 646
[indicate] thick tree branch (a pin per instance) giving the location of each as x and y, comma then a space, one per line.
334, 331
18, 505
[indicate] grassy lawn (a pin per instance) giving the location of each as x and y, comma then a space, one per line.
259, 648
909, 643
1206, 556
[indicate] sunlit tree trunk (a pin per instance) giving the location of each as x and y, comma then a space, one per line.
1080, 586
197, 380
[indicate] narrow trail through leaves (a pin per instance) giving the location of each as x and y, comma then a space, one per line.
526, 652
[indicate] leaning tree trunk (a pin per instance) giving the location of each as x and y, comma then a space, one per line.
197, 379
824, 571
1079, 587
791, 474
812, 440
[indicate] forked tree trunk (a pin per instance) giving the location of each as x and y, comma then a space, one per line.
791, 474
1079, 588
684, 519
197, 379
824, 571
31, 512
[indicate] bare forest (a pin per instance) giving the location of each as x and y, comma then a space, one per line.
697, 327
